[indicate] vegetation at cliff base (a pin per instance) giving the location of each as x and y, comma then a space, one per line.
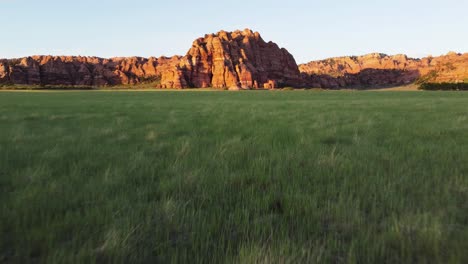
444, 86
233, 177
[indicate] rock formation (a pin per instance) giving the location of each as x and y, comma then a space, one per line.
234, 60
240, 59
378, 69
87, 71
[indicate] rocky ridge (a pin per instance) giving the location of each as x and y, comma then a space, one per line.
239, 59
234, 60
85, 71
379, 69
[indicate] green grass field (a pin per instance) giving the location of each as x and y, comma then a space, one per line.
234, 177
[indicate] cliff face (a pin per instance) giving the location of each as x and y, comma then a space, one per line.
240, 59
84, 71
380, 69
235, 60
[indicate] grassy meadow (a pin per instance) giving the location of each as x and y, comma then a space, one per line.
233, 177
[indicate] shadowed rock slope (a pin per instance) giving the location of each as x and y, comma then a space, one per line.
378, 69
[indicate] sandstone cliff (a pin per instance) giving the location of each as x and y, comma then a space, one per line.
240, 59
84, 71
234, 60
379, 69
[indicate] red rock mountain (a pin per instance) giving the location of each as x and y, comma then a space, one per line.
235, 60
240, 59
380, 69
87, 71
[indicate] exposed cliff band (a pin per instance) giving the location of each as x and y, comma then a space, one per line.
240, 59
234, 60
378, 69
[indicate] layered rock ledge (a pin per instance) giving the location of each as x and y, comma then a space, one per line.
234, 60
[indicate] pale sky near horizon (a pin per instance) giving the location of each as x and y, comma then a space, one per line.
310, 30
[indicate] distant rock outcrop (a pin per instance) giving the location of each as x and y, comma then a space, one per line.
240, 59
378, 69
85, 71
234, 60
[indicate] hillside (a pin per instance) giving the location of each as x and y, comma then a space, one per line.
380, 69
239, 59
234, 60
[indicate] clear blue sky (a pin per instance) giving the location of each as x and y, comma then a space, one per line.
308, 29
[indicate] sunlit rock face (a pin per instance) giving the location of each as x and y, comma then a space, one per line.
89, 71
380, 69
239, 59
234, 60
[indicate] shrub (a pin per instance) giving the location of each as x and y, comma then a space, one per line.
444, 86
154, 79
14, 62
427, 78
